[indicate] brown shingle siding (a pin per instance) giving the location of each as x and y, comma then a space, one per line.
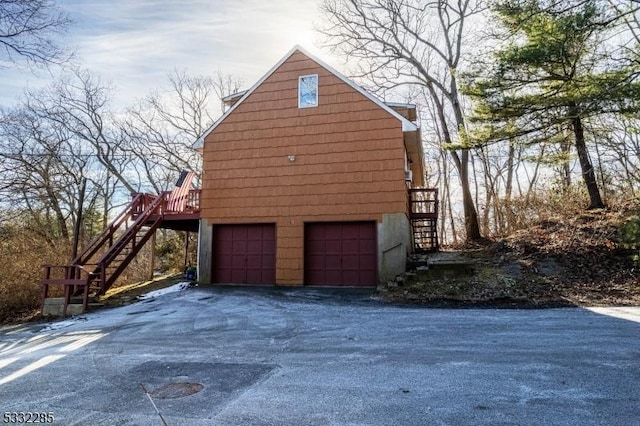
252, 172
271, 197
273, 165
306, 180
284, 146
349, 161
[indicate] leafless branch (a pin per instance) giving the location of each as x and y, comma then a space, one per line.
32, 30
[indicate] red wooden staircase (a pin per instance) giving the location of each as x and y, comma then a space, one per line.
97, 268
424, 218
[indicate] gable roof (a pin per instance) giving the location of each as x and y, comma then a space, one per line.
407, 126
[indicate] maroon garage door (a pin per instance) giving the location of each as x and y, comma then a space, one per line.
340, 254
244, 254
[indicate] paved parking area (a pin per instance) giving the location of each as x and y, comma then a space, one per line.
248, 356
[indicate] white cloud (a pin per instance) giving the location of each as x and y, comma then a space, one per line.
135, 44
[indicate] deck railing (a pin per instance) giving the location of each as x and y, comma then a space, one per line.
71, 278
423, 212
423, 203
192, 204
117, 245
193, 200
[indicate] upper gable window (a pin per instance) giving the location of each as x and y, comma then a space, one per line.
308, 91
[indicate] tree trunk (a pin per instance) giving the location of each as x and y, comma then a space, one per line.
488, 191
588, 174
471, 225
603, 182
60, 219
534, 178
462, 164
510, 222
566, 166
448, 206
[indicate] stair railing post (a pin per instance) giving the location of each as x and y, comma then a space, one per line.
152, 257
186, 249
85, 295
45, 285
103, 276
78, 224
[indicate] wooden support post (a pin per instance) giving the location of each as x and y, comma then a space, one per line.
186, 248
78, 224
152, 256
67, 299
45, 286
85, 296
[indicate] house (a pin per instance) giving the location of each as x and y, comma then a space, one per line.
306, 181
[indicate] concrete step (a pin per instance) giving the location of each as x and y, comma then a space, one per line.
53, 306
445, 270
440, 265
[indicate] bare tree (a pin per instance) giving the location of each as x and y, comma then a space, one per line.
416, 43
31, 30
620, 158
40, 173
79, 103
67, 131
225, 85
186, 106
158, 132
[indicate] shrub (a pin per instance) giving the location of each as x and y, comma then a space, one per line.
630, 237
23, 252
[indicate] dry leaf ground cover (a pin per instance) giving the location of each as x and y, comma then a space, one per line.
588, 259
22, 254
575, 259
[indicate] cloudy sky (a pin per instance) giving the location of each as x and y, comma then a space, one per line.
134, 44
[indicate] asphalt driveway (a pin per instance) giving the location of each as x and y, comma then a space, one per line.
247, 356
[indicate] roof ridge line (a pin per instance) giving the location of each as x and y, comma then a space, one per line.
407, 126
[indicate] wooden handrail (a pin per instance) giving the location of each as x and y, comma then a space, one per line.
423, 201
107, 232
72, 274
107, 257
144, 210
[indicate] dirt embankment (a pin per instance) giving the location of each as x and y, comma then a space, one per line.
590, 259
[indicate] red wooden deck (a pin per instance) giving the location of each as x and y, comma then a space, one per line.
185, 220
103, 260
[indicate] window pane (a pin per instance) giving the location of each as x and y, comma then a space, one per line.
308, 91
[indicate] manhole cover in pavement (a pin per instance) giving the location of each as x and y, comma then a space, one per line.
176, 390
181, 382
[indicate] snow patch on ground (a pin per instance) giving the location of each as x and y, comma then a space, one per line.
174, 288
629, 313
63, 324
